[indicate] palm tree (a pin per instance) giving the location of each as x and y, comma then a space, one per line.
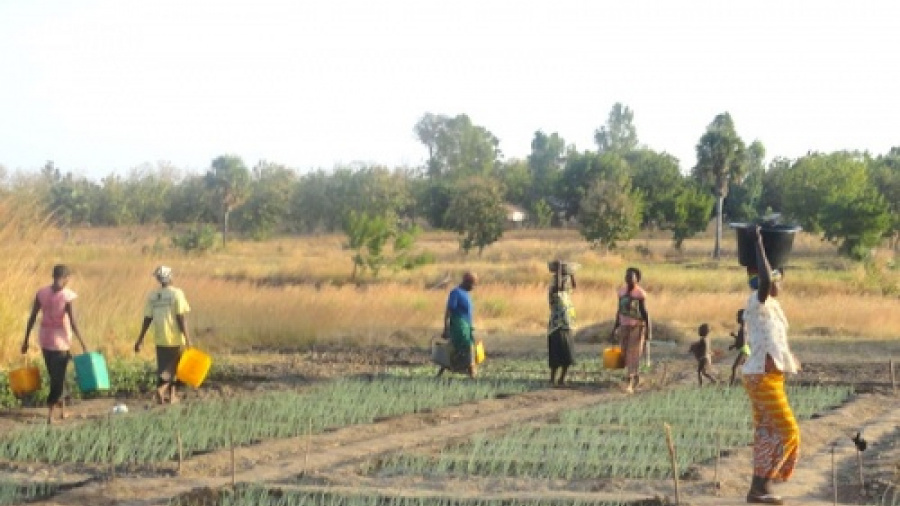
720, 159
230, 180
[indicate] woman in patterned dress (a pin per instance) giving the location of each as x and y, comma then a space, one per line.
632, 325
776, 438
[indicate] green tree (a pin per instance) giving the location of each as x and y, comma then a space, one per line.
687, 212
113, 207
191, 201
610, 212
619, 135
313, 204
476, 213
721, 159
516, 179
545, 163
772, 197
378, 241
72, 200
856, 222
378, 191
581, 170
268, 202
431, 130
817, 180
148, 190
658, 177
745, 196
229, 180
368, 236
543, 214
886, 176
457, 148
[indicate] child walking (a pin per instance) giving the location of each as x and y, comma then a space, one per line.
703, 353
740, 344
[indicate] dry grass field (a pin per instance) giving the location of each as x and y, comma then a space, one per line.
296, 292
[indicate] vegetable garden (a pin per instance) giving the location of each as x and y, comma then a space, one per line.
151, 437
622, 439
260, 496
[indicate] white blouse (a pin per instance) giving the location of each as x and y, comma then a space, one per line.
767, 330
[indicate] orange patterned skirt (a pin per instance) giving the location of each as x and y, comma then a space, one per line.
631, 339
776, 438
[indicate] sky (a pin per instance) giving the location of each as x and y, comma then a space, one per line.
103, 86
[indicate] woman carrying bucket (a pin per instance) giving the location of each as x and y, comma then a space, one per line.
165, 309
632, 325
561, 348
776, 440
55, 334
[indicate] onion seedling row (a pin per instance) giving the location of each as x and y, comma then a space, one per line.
256, 495
622, 439
148, 437
18, 492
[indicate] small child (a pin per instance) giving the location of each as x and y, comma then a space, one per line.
741, 345
703, 353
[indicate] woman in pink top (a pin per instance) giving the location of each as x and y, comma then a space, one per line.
632, 325
55, 334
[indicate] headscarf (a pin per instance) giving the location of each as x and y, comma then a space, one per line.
163, 274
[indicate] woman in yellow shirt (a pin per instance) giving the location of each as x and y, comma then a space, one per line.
165, 309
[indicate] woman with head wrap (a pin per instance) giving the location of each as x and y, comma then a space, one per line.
458, 325
165, 309
776, 437
632, 325
55, 334
561, 349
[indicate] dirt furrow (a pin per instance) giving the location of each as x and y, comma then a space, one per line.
285, 459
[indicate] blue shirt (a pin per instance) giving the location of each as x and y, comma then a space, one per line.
459, 303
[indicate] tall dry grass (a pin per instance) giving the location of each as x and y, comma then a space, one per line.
295, 292
25, 237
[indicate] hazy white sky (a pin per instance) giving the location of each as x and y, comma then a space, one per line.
101, 86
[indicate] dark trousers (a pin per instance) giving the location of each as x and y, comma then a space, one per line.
57, 362
167, 358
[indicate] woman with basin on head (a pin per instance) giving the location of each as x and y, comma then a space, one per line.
55, 302
776, 438
632, 325
165, 309
561, 348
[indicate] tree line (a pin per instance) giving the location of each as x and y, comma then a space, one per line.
609, 192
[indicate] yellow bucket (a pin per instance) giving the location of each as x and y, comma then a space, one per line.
24, 381
193, 367
613, 358
479, 352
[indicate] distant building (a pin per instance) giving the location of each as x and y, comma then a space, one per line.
515, 215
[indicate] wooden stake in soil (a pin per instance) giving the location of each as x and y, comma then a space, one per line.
859, 467
231, 443
834, 484
674, 459
718, 457
893, 378
180, 444
308, 439
112, 462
